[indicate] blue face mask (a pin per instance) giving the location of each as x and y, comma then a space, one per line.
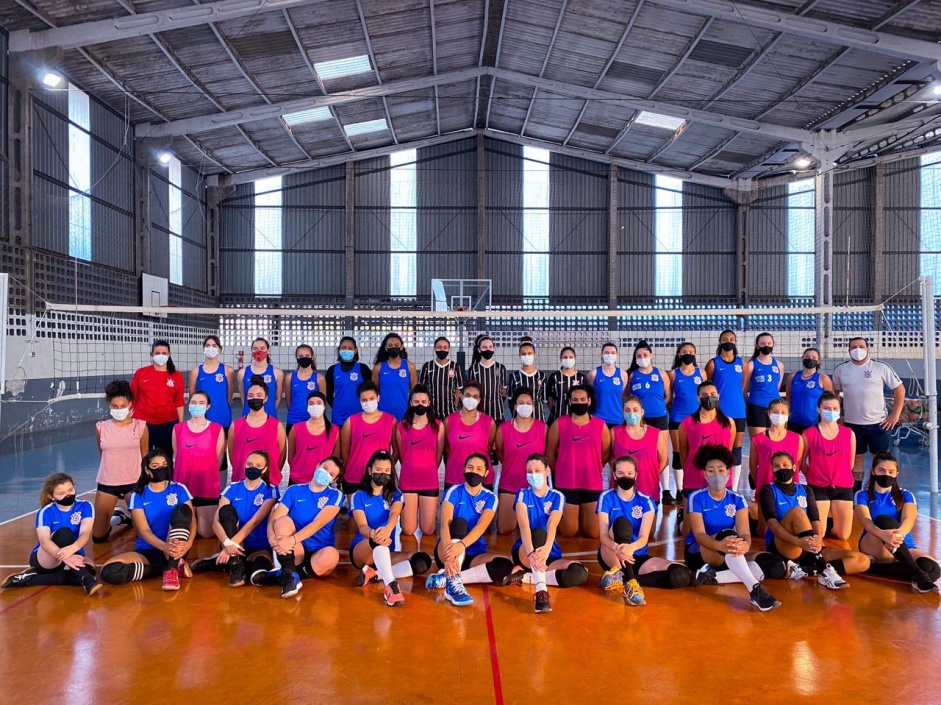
537, 482
631, 419
347, 355
198, 410
322, 477
830, 416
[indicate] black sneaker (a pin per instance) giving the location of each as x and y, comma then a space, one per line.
18, 580
514, 579
762, 599
542, 602
237, 573
206, 565
679, 518
705, 576
680, 496
262, 578
923, 583
88, 581
667, 499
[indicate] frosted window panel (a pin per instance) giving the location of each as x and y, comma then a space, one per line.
930, 256
536, 185
801, 239
668, 236
403, 223
79, 174
268, 237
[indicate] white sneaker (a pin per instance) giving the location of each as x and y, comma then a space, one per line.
795, 572
830, 579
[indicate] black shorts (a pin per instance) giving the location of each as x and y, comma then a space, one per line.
832, 494
638, 561
350, 487
740, 424
205, 501
154, 557
756, 416
580, 496
423, 493
304, 568
695, 561
659, 422
674, 425
772, 548
465, 564
796, 428
870, 438
119, 491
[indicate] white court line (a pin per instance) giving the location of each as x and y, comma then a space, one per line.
14, 566
21, 516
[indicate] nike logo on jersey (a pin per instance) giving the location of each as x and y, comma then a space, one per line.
520, 445
575, 439
706, 436
833, 453
367, 435
192, 445
633, 452
782, 502
252, 440
309, 448
464, 438
414, 443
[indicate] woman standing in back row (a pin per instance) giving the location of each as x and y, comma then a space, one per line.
804, 389
343, 380
218, 381
158, 397
443, 378
261, 367
609, 383
491, 376
299, 385
560, 382
394, 375
727, 371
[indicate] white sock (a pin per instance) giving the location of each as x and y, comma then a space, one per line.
665, 480
541, 577
739, 566
678, 475
460, 558
724, 577
736, 476
383, 560
477, 574
756, 571
402, 569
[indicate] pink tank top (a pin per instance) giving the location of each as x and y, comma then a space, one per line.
195, 463
463, 440
248, 439
366, 439
699, 434
644, 453
310, 450
418, 449
829, 462
578, 463
764, 448
517, 446
120, 452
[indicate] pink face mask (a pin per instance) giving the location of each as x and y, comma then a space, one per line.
260, 355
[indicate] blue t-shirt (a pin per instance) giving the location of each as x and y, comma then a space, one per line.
633, 510
649, 389
216, 386
884, 505
300, 389
55, 517
246, 503
270, 381
377, 512
608, 392
783, 503
345, 400
157, 507
728, 380
717, 514
765, 383
685, 394
538, 510
805, 393
394, 386
304, 506
469, 508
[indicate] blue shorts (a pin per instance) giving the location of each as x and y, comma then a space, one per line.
870, 438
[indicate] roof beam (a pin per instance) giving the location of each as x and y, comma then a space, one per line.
375, 68
821, 30
545, 62
715, 151
434, 61
88, 33
496, 62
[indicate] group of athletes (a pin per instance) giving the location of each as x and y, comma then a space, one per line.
377, 454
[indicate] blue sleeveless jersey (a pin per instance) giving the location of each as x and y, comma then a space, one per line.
728, 379
300, 388
765, 383
804, 396
783, 503
345, 399
216, 386
649, 389
270, 381
608, 392
393, 389
685, 394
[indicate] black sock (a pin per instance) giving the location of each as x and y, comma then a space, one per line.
628, 570
286, 560
838, 566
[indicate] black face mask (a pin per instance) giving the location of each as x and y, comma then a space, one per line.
252, 473
687, 359
473, 479
305, 362
381, 479
709, 403
728, 347
884, 480
579, 409
161, 474
394, 352
626, 483
66, 501
441, 354
766, 349
419, 410
811, 364
256, 404
486, 354
784, 475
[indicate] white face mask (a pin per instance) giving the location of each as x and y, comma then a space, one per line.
160, 360
315, 411
609, 359
527, 359
859, 354
369, 406
644, 362
470, 403
120, 414
211, 353
568, 362
778, 419
524, 410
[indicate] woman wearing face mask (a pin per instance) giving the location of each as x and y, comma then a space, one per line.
609, 382
578, 447
528, 377
685, 378
490, 375
199, 447
515, 442
646, 444
310, 442
418, 444
158, 396
775, 439
560, 382
122, 442
395, 376
466, 432
217, 380
762, 377
650, 385
536, 555
343, 380
795, 532
887, 514
727, 371
63, 527
466, 513
162, 511
443, 378
625, 523
804, 389
362, 435
241, 524
376, 509
299, 385
828, 466
300, 530
719, 540
272, 377
707, 425
257, 431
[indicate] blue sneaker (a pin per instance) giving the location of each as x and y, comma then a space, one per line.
456, 594
291, 585
436, 581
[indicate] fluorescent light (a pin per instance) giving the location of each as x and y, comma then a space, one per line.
936, 89
312, 115
802, 162
664, 122
164, 158
51, 80
361, 128
338, 68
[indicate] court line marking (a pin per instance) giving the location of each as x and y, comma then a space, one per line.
494, 660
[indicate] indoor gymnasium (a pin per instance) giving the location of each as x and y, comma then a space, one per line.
470, 351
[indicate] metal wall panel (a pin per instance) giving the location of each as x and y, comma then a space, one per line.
112, 208
237, 243
852, 236
50, 141
708, 242
636, 240
50, 216
504, 260
902, 225
110, 127
160, 226
766, 243
372, 226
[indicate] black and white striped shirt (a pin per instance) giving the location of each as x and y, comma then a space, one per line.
492, 381
536, 383
557, 389
442, 381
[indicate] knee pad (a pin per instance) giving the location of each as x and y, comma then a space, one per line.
737, 452
260, 563
677, 465
573, 575
181, 517
539, 537
63, 537
930, 567
725, 533
678, 576
229, 519
458, 527
499, 568
772, 566
118, 573
420, 562
885, 522
623, 530
102, 539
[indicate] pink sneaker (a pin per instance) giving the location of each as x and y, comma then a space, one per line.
171, 579
393, 594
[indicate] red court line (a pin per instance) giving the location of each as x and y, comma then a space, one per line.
494, 660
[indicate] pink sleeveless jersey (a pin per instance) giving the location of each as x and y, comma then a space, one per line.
829, 462
366, 439
120, 452
644, 452
195, 463
578, 462
517, 446
764, 448
699, 434
310, 450
463, 440
248, 439
418, 450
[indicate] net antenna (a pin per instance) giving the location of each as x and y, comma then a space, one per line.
461, 295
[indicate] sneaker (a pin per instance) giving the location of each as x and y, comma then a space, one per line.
89, 582
634, 594
291, 585
667, 499
171, 579
19, 580
680, 496
436, 581
393, 595
515, 579
830, 579
705, 576
237, 573
184, 569
366, 576
205, 565
612, 580
124, 519
795, 572
456, 594
679, 518
542, 602
923, 584
762, 599
262, 577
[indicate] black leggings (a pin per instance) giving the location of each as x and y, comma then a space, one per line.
674, 576
181, 519
161, 436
